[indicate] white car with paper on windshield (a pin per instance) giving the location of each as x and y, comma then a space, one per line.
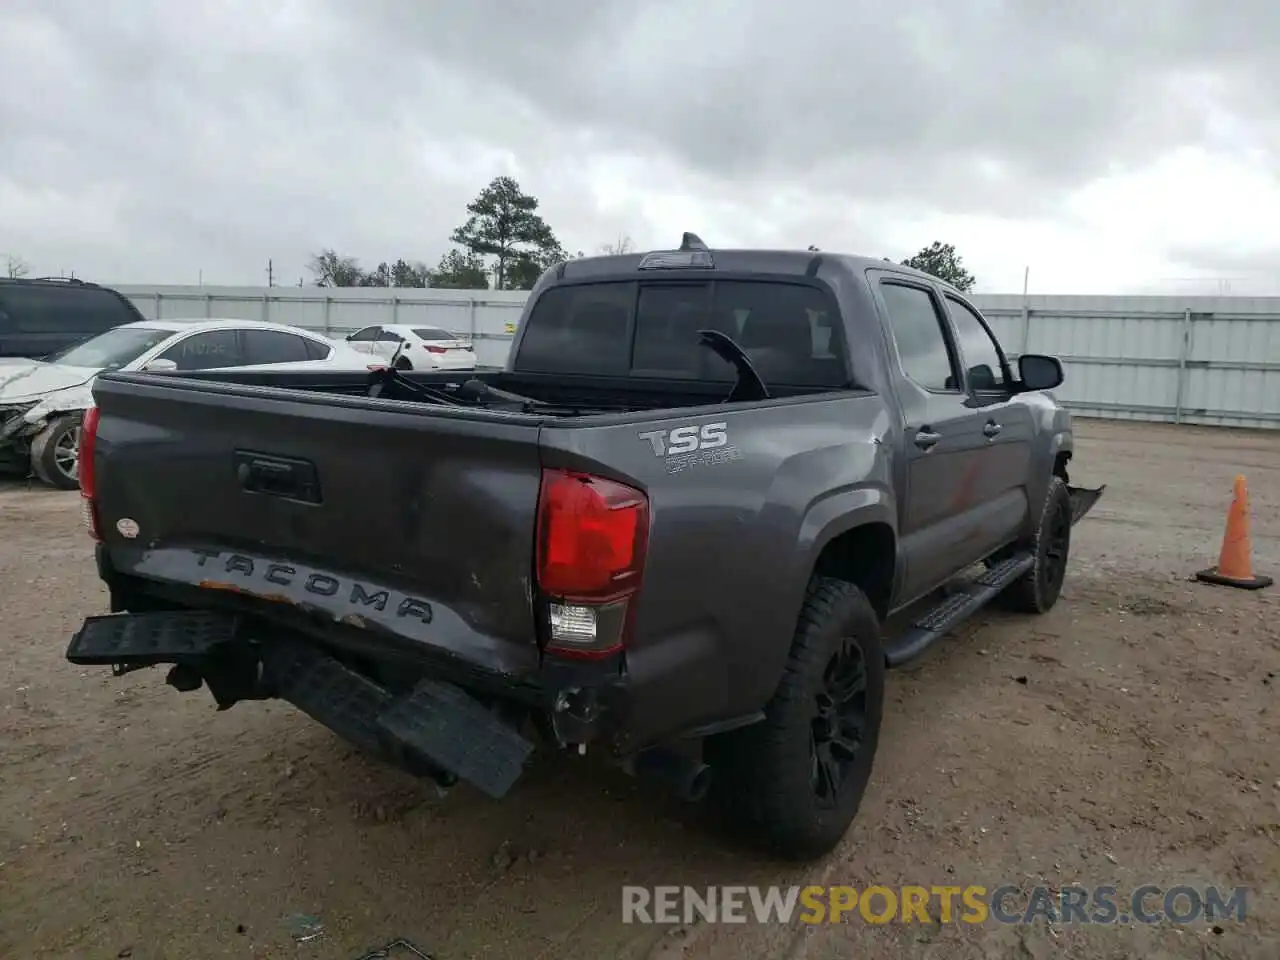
42, 402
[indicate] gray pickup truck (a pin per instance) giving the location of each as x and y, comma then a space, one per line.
673, 528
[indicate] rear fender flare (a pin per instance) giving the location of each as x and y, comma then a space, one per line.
827, 518
837, 514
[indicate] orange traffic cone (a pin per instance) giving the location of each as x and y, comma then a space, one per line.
1235, 562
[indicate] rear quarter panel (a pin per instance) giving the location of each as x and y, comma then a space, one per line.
735, 529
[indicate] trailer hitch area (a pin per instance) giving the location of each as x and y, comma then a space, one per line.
575, 715
232, 672
584, 702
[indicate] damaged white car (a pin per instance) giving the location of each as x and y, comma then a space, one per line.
43, 401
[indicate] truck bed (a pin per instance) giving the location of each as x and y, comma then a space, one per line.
552, 396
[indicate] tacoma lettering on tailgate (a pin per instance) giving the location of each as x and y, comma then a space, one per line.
314, 582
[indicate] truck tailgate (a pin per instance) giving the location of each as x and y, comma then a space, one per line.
397, 518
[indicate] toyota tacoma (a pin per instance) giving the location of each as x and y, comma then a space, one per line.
675, 527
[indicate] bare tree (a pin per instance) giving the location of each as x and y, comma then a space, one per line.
332, 270
15, 267
624, 244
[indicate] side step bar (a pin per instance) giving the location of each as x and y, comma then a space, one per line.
436, 730
971, 597
955, 609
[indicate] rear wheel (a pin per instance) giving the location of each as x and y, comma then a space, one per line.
55, 453
403, 363
794, 781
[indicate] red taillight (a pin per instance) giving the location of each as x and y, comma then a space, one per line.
592, 534
592, 537
88, 471
431, 349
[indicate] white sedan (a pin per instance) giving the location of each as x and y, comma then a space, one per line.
42, 401
419, 347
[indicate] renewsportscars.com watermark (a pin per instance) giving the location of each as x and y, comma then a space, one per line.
1006, 904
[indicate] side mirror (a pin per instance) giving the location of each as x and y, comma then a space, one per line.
1039, 372
162, 365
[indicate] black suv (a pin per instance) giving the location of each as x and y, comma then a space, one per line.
39, 317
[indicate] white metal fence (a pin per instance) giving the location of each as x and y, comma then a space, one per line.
1208, 360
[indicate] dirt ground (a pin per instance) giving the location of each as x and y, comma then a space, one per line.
1130, 736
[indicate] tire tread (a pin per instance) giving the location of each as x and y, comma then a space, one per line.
757, 770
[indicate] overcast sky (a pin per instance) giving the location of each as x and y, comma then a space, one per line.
1109, 146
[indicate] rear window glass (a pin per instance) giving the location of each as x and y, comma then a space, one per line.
651, 330
432, 333
53, 308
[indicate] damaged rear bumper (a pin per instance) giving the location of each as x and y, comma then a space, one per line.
581, 702
436, 729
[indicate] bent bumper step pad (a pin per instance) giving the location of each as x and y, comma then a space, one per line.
437, 721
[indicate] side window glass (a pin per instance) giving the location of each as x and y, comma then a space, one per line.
273, 346
368, 333
917, 330
315, 349
388, 336
981, 356
103, 310
206, 351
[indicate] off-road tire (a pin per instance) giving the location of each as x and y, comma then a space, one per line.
1037, 590
762, 775
46, 448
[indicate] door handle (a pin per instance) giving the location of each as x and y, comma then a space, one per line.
991, 429
926, 439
